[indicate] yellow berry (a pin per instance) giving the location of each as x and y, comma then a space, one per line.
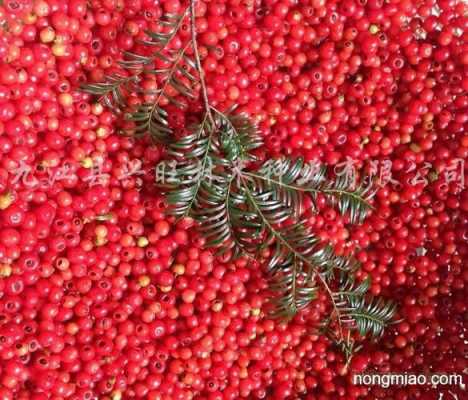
373, 29
178, 269
188, 296
102, 132
142, 242
59, 50
144, 280
87, 162
5, 200
217, 306
65, 99
100, 231
5, 270
72, 328
97, 109
255, 312
116, 395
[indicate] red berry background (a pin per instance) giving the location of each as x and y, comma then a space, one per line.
102, 296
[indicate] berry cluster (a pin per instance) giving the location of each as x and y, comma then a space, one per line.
103, 296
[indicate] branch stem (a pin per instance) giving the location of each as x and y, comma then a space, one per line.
196, 53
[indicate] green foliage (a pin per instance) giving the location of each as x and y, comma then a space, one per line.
176, 74
293, 178
367, 314
293, 295
371, 316
244, 206
197, 180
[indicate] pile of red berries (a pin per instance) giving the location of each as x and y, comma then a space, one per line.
102, 296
